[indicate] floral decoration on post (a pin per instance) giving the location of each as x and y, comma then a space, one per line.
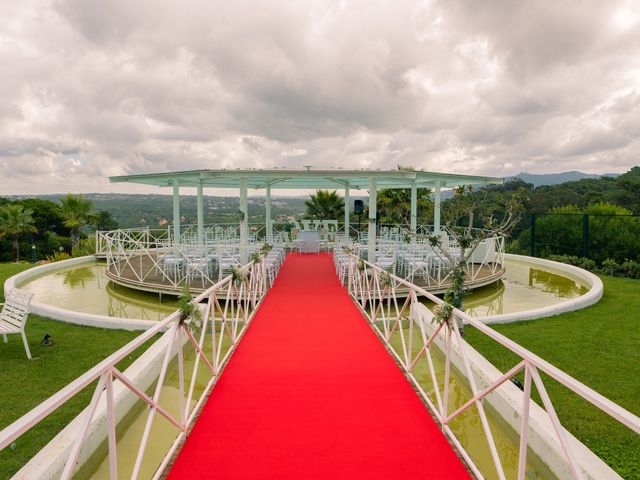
190, 315
238, 275
443, 313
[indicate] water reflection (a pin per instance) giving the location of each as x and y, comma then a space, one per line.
523, 287
88, 289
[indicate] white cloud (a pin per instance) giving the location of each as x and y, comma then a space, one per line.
92, 88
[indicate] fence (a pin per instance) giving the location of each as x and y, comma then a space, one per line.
415, 337
224, 321
594, 236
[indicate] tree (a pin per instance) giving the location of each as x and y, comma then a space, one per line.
325, 205
15, 220
105, 221
460, 216
76, 211
394, 206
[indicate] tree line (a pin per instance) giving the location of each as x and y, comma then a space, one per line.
47, 228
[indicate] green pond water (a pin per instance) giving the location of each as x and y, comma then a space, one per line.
87, 289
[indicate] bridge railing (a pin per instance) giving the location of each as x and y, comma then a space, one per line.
210, 340
413, 332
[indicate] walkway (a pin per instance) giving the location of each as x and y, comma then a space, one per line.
312, 393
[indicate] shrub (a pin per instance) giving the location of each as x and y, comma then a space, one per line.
587, 264
86, 246
570, 259
631, 269
58, 256
610, 267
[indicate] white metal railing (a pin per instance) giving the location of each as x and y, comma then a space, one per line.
419, 261
224, 321
406, 326
148, 258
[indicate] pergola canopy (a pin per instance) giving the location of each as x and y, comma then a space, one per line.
307, 178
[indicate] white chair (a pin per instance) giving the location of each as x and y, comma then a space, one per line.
14, 315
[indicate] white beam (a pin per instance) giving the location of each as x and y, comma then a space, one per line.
269, 222
414, 207
347, 211
371, 235
244, 223
200, 213
436, 208
176, 211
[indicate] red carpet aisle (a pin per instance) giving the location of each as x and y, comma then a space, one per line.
312, 393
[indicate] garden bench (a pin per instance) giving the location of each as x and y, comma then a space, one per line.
14, 315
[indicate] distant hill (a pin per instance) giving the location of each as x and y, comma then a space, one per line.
557, 178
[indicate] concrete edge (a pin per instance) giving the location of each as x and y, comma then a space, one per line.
596, 289
70, 316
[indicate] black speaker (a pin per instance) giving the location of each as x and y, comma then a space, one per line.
358, 207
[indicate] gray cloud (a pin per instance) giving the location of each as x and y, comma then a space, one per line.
93, 88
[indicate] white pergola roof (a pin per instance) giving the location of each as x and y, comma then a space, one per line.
306, 178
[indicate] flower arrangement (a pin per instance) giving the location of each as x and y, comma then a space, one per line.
190, 315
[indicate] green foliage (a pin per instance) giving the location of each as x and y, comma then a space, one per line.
256, 257
630, 269
238, 276
610, 266
58, 256
394, 206
325, 205
15, 221
76, 211
104, 221
190, 315
85, 246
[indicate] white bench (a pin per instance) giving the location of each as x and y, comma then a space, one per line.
14, 315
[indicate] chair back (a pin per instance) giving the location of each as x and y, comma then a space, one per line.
16, 308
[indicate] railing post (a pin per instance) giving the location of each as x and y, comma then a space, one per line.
532, 229
585, 235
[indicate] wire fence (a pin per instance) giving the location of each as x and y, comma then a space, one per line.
594, 236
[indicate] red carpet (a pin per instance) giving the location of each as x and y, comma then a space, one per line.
312, 393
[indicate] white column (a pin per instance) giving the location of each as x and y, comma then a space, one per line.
269, 223
371, 235
346, 211
244, 223
176, 212
436, 208
200, 214
414, 207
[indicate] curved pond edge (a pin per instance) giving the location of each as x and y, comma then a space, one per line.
71, 316
593, 282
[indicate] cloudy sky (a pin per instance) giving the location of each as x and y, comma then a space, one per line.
92, 88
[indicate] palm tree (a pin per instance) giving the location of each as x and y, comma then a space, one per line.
76, 211
16, 220
325, 205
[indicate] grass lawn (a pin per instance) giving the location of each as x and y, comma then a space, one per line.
600, 346
24, 384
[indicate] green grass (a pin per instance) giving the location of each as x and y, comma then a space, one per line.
600, 346
24, 384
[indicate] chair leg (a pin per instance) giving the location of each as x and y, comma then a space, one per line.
26, 344
5, 338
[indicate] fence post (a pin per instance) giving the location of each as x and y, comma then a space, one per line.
585, 235
532, 229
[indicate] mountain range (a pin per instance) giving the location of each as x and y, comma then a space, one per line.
557, 178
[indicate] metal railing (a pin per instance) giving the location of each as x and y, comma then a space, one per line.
409, 331
224, 322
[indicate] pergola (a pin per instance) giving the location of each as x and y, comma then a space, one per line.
304, 179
